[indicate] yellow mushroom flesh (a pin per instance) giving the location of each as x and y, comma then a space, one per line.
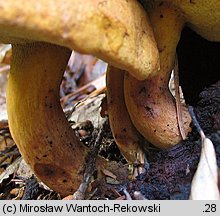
115, 31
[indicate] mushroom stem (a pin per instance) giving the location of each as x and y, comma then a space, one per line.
150, 104
36, 120
125, 134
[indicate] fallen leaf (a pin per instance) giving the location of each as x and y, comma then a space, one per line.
24, 170
112, 181
139, 196
205, 181
88, 110
121, 198
10, 169
69, 197
4, 48
108, 173
20, 194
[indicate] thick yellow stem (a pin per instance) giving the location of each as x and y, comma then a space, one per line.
36, 120
125, 134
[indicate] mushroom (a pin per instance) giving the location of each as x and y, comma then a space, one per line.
149, 103
42, 34
125, 134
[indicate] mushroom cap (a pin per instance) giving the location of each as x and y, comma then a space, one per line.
200, 15
203, 17
115, 31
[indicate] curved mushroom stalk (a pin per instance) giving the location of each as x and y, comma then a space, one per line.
150, 104
37, 122
125, 134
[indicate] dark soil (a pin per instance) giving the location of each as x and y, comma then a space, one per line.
171, 171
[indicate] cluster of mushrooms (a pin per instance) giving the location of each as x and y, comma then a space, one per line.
139, 45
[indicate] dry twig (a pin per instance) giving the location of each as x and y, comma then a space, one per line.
178, 103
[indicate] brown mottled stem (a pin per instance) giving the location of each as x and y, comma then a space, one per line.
125, 134
150, 103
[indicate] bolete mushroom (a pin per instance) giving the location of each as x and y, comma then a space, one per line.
149, 103
42, 34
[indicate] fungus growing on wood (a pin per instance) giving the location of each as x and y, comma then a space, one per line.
42, 33
149, 102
